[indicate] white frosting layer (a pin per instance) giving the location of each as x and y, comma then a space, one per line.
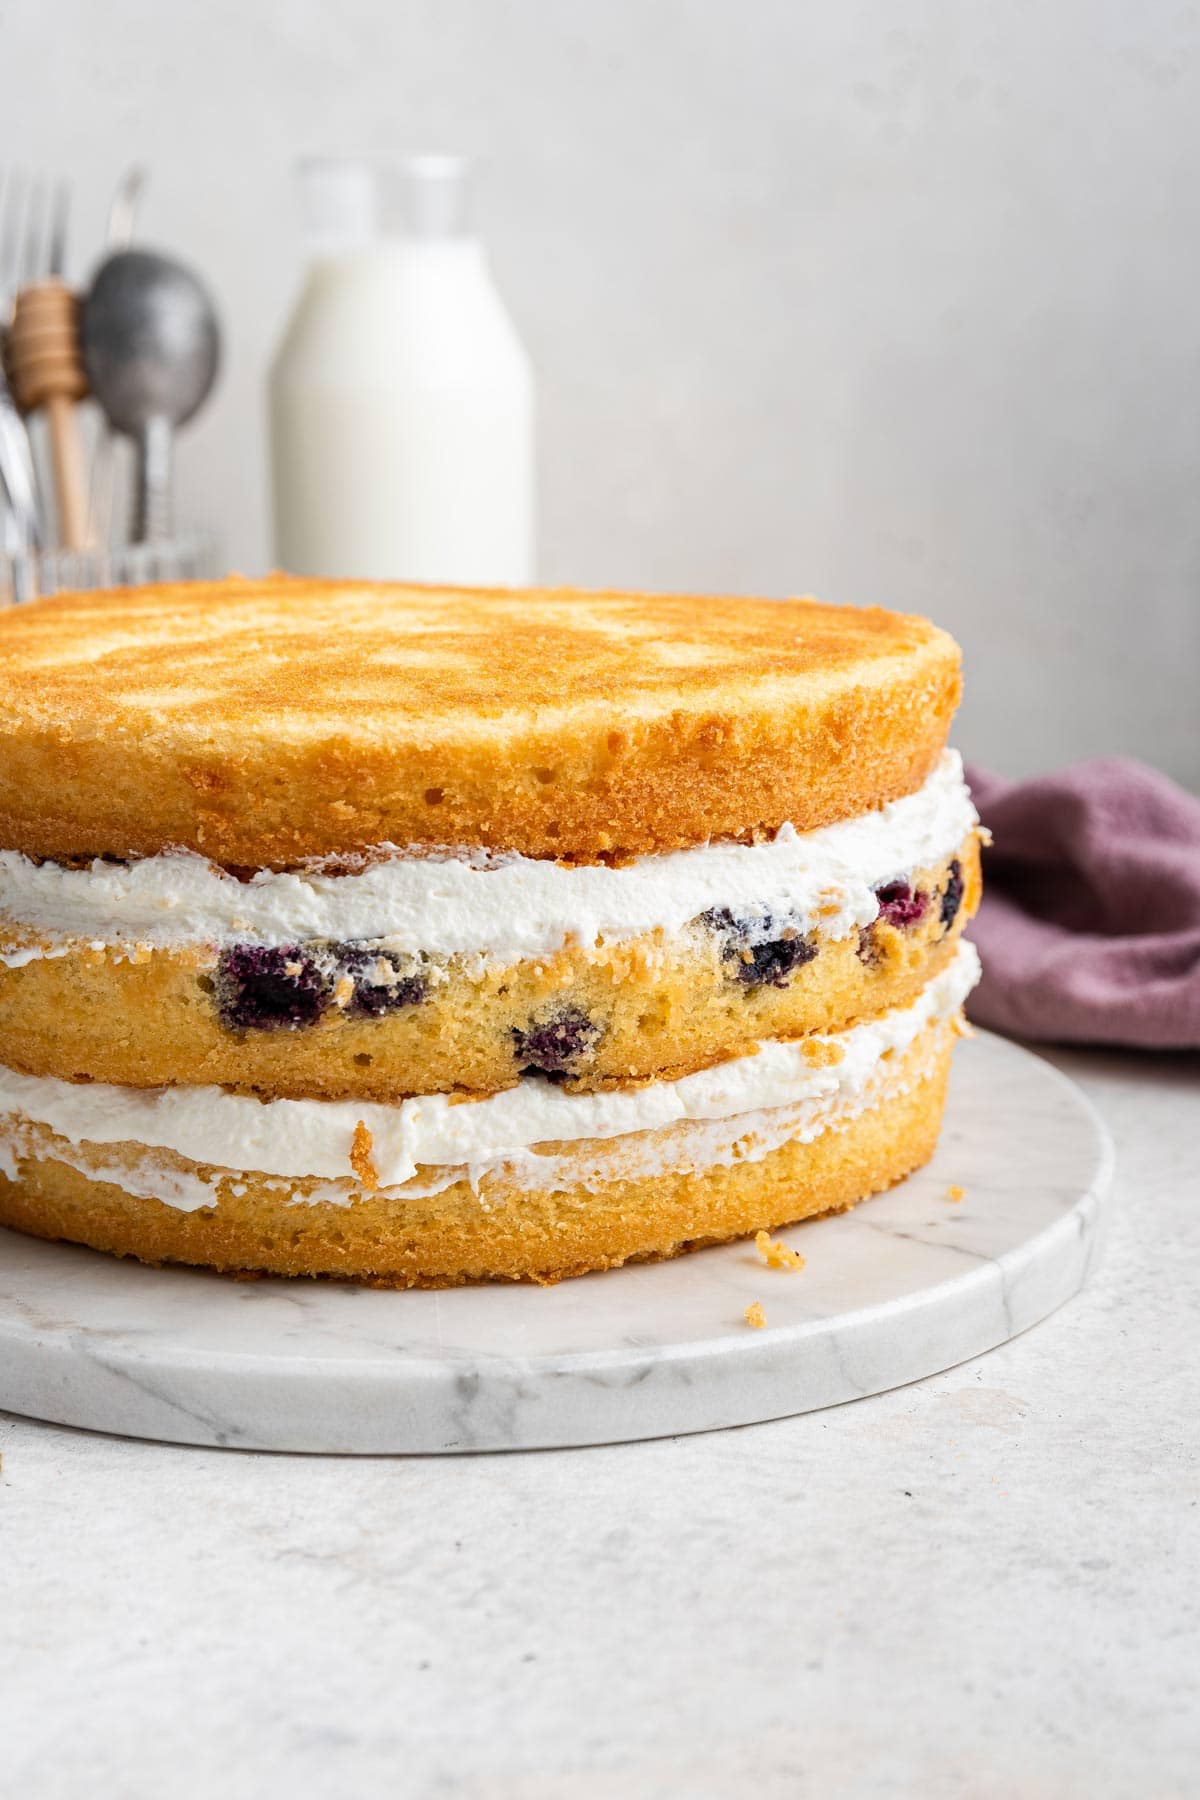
687, 1145
509, 907
312, 1138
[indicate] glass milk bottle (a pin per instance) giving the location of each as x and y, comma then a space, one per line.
401, 398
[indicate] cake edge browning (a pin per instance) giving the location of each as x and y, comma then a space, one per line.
616, 774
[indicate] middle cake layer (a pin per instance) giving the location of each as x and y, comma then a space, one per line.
422, 974
529, 1182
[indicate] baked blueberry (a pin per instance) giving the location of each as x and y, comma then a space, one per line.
867, 948
260, 986
381, 983
769, 964
952, 896
899, 905
553, 1045
773, 964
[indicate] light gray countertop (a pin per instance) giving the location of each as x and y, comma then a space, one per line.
985, 1584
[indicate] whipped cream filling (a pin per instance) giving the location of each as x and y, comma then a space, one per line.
471, 902
306, 1139
686, 1146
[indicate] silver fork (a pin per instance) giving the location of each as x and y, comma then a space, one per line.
21, 251
122, 218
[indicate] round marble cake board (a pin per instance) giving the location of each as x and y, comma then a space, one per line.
907, 1284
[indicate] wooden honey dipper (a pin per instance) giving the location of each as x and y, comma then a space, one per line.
46, 373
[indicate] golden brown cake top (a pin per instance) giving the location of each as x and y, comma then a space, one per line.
263, 722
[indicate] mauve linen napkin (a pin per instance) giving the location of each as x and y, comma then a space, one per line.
1090, 925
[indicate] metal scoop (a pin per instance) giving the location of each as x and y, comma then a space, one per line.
151, 346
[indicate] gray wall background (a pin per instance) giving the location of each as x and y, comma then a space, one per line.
881, 300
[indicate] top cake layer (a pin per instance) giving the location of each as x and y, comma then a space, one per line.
264, 723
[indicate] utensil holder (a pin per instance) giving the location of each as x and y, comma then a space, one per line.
27, 576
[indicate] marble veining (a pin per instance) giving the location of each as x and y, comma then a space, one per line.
907, 1284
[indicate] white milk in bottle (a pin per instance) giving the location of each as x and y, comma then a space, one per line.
401, 398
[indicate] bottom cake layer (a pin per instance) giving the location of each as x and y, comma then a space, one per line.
683, 1187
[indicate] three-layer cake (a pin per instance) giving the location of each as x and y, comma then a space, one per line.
425, 936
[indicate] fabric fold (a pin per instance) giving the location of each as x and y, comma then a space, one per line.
1090, 924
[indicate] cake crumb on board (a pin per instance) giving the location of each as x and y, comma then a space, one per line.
775, 1253
956, 1194
755, 1316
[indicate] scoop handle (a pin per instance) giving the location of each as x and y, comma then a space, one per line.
70, 475
152, 496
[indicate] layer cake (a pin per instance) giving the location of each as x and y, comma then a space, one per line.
422, 936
